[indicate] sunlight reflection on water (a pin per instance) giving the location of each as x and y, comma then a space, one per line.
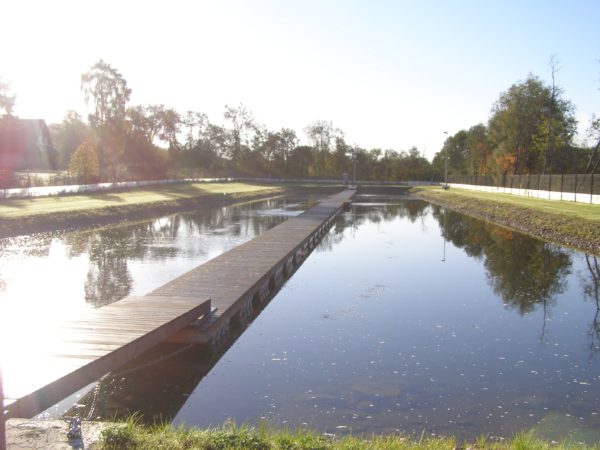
48, 277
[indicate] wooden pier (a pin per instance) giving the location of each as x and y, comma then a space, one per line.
86, 348
239, 280
199, 306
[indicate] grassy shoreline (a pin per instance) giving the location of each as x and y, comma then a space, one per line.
24, 216
571, 224
132, 435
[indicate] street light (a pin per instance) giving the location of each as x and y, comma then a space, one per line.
354, 168
446, 165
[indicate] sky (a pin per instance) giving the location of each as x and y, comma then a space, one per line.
389, 74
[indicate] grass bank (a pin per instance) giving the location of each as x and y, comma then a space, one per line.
22, 216
134, 436
573, 224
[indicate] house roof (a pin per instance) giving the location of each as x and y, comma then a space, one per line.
25, 144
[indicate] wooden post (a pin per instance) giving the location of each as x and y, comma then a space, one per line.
591, 187
575, 187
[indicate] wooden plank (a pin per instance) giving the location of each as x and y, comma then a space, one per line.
93, 364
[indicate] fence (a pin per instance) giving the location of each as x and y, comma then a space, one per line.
583, 188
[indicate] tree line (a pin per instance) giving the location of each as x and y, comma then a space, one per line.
530, 130
123, 141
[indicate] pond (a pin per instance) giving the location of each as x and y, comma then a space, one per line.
411, 318
408, 318
47, 277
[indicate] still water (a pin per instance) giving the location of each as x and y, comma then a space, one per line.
47, 277
406, 318
412, 318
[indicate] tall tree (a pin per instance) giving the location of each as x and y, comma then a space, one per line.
554, 68
196, 125
457, 151
480, 150
594, 135
106, 90
277, 147
519, 124
241, 133
321, 134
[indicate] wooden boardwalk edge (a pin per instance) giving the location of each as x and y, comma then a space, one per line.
50, 394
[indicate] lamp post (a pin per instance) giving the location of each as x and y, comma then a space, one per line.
446, 164
354, 168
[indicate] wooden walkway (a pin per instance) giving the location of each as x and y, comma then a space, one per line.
234, 283
94, 344
239, 280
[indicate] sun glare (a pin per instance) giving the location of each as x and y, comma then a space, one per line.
37, 293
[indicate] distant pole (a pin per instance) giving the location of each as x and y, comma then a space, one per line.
446, 165
354, 169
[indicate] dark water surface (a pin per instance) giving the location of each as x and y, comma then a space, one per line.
384, 329
406, 318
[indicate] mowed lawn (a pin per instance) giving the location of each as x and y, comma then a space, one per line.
584, 211
19, 208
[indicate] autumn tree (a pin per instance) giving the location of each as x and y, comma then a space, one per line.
523, 119
84, 162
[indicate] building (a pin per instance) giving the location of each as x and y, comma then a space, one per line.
25, 144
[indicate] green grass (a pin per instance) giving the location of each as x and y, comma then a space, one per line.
571, 224
19, 208
584, 211
132, 435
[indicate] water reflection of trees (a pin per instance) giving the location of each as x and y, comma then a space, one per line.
525, 272
110, 249
378, 213
591, 289
409, 209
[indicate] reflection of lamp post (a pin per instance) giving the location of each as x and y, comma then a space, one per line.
444, 235
446, 165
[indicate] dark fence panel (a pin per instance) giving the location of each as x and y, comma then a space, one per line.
573, 183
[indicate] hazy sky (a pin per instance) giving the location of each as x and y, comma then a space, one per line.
390, 74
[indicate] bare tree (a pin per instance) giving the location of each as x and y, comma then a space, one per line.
554, 65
